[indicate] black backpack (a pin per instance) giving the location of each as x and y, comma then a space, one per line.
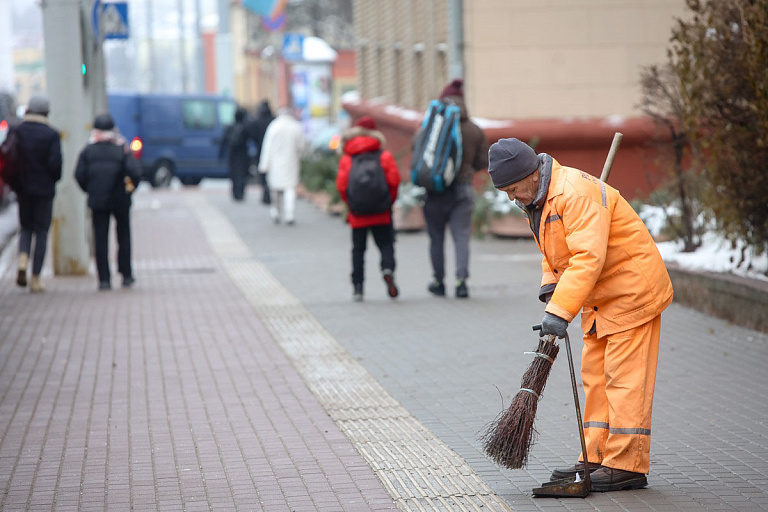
367, 189
10, 159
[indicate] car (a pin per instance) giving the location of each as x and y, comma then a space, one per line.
7, 118
174, 134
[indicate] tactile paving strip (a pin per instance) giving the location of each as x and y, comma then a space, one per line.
418, 470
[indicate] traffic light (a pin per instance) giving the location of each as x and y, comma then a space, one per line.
85, 53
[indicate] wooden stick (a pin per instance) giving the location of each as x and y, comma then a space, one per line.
611, 155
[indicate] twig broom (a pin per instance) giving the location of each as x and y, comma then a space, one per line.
508, 440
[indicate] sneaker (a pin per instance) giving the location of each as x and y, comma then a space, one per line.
437, 288
609, 479
104, 285
357, 295
570, 471
389, 278
128, 282
461, 290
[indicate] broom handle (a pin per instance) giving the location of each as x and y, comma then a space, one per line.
578, 412
611, 156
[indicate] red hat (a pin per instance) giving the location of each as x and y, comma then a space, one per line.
366, 122
455, 88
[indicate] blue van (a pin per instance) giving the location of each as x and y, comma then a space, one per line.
174, 134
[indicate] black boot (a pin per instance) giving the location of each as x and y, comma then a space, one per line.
570, 471
610, 479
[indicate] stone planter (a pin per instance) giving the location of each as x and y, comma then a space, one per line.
411, 219
321, 200
509, 226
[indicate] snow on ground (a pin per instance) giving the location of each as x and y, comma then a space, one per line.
715, 254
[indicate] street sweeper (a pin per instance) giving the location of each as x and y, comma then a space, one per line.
600, 260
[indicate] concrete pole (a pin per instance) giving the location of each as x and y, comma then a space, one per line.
73, 100
199, 55
455, 39
182, 48
7, 82
224, 74
150, 47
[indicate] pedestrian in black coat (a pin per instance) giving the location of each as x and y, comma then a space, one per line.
235, 142
108, 173
257, 127
40, 150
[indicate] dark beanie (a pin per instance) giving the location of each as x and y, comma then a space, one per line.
103, 122
455, 88
511, 160
366, 122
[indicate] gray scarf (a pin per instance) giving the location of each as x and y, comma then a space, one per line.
533, 210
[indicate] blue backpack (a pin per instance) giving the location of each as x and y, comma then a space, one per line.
438, 150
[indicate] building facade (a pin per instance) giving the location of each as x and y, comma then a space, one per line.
521, 59
563, 75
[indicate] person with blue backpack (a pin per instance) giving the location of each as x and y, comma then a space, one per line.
444, 161
368, 180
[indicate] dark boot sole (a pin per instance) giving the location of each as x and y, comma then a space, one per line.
627, 485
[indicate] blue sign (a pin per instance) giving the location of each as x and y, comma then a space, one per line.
110, 20
293, 47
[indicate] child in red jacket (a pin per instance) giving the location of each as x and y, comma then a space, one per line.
360, 143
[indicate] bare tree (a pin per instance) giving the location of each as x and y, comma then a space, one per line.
662, 101
720, 56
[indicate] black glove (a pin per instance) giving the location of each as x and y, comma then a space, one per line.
546, 292
553, 324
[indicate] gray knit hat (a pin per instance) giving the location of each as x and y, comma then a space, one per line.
511, 160
38, 105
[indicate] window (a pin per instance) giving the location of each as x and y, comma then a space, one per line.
227, 112
199, 114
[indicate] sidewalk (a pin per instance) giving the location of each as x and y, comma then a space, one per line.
239, 375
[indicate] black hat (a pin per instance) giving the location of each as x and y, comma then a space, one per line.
511, 160
103, 122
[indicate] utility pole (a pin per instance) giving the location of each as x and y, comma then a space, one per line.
182, 48
199, 56
455, 39
75, 83
6, 48
224, 80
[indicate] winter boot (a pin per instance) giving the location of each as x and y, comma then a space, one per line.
35, 286
21, 277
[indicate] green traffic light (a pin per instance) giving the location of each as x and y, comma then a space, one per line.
82, 67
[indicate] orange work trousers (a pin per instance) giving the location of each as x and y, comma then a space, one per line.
619, 374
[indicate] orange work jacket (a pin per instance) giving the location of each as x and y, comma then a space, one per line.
600, 254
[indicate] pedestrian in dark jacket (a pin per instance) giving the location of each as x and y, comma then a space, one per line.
108, 173
256, 128
235, 143
363, 138
40, 149
453, 208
